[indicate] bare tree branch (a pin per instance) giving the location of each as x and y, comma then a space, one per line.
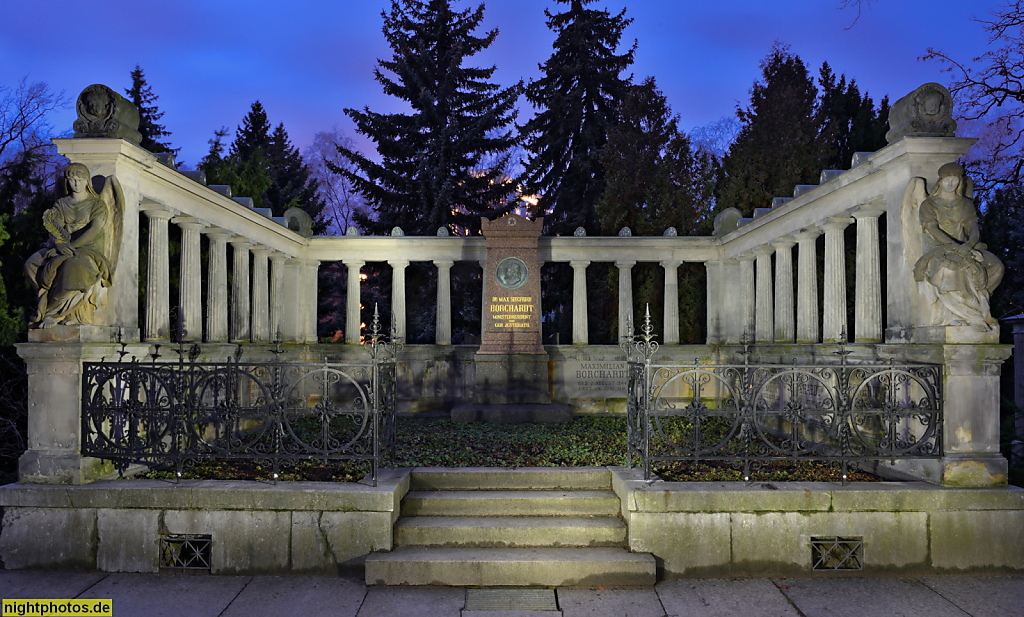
24, 128
989, 92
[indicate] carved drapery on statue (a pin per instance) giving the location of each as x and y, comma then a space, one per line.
75, 265
953, 270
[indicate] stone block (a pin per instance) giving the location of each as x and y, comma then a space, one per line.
972, 540
780, 542
242, 542
321, 541
732, 497
57, 538
685, 544
128, 540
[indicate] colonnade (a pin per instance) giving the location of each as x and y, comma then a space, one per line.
750, 301
272, 294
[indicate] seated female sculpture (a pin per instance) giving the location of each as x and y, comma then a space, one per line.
958, 271
75, 265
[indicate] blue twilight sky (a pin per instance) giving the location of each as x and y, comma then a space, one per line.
307, 60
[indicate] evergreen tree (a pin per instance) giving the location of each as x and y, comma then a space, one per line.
655, 179
576, 98
430, 174
141, 95
291, 182
777, 147
847, 121
264, 165
791, 131
1002, 229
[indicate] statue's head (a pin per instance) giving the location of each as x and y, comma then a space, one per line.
77, 173
951, 177
951, 169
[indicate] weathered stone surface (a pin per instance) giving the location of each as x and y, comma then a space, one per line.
127, 540
102, 112
780, 542
968, 540
686, 544
248, 542
321, 541
63, 539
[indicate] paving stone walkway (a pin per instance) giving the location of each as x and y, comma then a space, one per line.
145, 595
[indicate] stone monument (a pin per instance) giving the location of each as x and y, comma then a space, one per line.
511, 364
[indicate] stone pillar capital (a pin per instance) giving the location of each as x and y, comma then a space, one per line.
836, 223
158, 211
868, 210
579, 263
785, 242
807, 234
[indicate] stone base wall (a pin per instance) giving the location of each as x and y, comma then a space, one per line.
255, 528
725, 529
694, 529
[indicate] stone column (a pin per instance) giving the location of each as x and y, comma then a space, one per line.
443, 325
240, 291
580, 323
807, 283
867, 311
190, 284
834, 327
785, 329
765, 321
311, 278
277, 265
260, 309
352, 302
725, 319
158, 278
398, 321
217, 285
749, 310
625, 297
671, 301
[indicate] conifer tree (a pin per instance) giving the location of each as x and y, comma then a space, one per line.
264, 165
848, 122
777, 147
141, 95
655, 179
576, 98
430, 174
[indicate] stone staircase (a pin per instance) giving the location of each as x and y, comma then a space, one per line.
492, 527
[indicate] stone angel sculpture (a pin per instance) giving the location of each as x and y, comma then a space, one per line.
76, 263
953, 269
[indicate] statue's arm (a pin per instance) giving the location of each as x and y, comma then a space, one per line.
930, 224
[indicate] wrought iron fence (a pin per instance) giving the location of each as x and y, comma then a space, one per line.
178, 413
750, 414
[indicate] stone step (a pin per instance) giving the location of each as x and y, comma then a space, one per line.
511, 567
510, 531
510, 503
490, 478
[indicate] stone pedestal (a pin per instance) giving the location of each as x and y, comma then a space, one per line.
511, 365
54, 393
970, 433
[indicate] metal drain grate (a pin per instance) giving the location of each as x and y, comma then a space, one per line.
185, 551
510, 599
836, 553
